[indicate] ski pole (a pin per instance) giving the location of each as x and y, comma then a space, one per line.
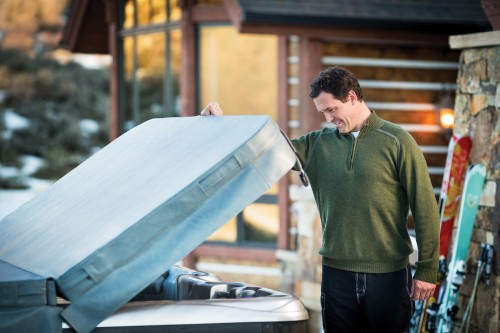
489, 259
481, 263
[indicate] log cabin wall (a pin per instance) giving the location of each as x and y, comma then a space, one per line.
403, 84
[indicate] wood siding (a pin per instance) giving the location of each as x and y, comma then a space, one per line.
401, 83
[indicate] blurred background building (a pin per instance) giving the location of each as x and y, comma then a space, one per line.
53, 103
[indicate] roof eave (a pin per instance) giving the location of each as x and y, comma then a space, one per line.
345, 28
74, 22
77, 36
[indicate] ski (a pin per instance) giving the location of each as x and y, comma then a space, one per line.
473, 187
451, 190
449, 199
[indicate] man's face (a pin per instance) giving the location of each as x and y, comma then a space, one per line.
336, 112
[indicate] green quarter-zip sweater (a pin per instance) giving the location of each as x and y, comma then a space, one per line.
364, 188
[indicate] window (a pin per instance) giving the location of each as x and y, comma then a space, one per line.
240, 72
150, 56
256, 225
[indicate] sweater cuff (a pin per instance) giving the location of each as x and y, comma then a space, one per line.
426, 275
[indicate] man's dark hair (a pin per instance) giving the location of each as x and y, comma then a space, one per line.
337, 81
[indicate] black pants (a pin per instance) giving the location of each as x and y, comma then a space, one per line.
365, 302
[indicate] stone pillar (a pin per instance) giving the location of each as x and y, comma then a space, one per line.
477, 113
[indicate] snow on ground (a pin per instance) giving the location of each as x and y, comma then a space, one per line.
11, 122
31, 164
12, 199
88, 127
14, 121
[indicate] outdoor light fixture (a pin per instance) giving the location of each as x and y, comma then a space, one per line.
445, 114
446, 118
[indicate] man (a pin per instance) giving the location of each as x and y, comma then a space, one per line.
366, 173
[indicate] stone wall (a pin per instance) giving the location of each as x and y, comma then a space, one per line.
477, 113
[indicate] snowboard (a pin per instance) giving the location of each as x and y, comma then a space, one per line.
449, 200
473, 187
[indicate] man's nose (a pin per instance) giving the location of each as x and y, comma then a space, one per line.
329, 117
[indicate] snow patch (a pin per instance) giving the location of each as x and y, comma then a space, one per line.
88, 127
31, 164
9, 172
13, 121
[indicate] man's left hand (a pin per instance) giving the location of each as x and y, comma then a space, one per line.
421, 290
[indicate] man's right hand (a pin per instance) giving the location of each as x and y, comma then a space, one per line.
212, 108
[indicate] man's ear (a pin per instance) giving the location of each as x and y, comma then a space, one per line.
352, 97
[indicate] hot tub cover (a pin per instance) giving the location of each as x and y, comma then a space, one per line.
123, 217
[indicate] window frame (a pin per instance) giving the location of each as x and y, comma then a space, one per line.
271, 199
166, 27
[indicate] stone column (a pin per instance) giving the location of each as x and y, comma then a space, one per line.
477, 113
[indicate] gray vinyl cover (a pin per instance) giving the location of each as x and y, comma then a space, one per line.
119, 220
28, 302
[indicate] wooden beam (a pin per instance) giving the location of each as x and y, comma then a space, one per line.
348, 35
234, 12
310, 53
209, 13
114, 109
490, 38
283, 116
284, 183
237, 253
188, 87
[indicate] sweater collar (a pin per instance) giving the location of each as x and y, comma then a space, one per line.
372, 123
